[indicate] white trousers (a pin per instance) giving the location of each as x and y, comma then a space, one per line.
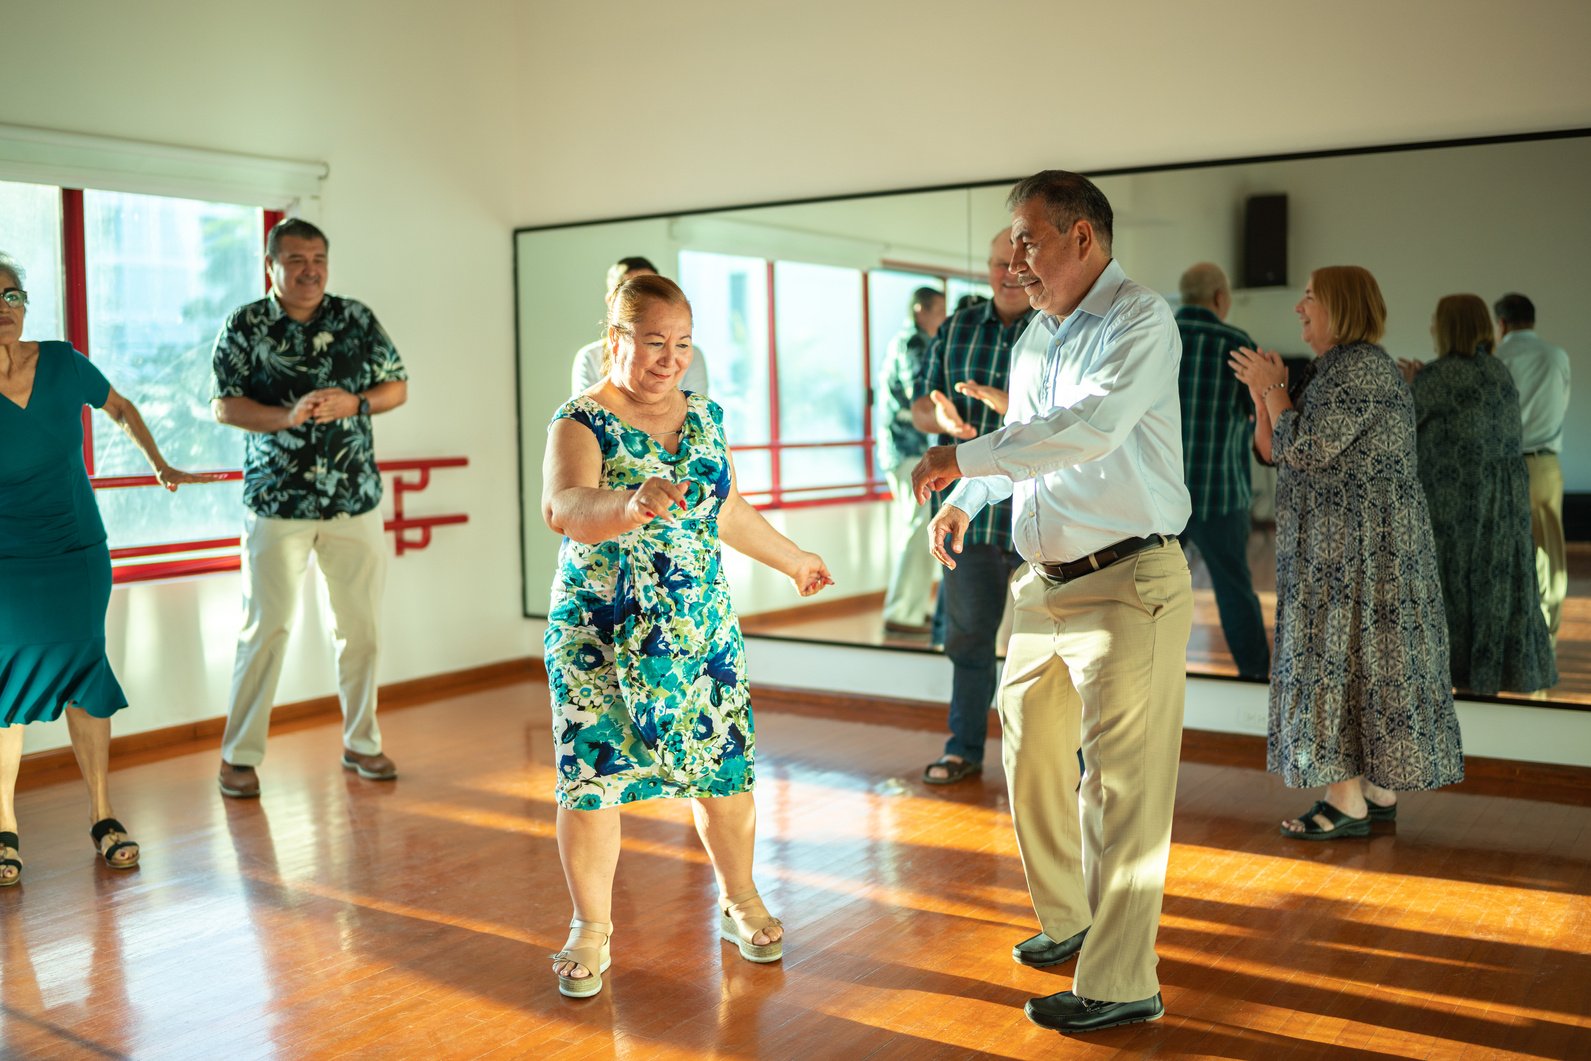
352, 554
909, 598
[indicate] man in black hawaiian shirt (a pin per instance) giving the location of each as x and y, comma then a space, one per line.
303, 372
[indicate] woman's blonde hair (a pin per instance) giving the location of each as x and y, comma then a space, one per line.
1463, 325
630, 301
1355, 310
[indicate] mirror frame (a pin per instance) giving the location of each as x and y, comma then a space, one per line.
1120, 171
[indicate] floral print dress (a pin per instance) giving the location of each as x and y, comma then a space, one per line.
645, 661
1360, 681
1478, 491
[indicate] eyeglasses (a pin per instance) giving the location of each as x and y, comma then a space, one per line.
15, 296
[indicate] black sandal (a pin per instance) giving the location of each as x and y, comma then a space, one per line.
1341, 824
10, 840
1382, 812
955, 770
111, 825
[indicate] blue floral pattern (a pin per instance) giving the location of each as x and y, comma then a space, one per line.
1360, 681
312, 471
645, 661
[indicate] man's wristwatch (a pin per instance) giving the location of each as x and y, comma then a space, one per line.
364, 406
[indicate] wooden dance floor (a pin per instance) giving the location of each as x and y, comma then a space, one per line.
341, 918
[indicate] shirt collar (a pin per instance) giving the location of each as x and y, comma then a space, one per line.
274, 311
1202, 313
1099, 299
989, 316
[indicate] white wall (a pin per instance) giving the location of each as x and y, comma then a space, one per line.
445, 127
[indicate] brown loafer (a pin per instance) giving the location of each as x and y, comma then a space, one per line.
238, 782
371, 767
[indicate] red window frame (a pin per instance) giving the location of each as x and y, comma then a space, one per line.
778, 496
74, 265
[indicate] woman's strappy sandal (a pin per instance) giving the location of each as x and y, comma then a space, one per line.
10, 840
111, 825
587, 947
750, 907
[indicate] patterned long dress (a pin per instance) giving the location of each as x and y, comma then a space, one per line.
1478, 491
1360, 681
645, 660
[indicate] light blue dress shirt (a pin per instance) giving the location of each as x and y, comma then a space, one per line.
1541, 374
1091, 450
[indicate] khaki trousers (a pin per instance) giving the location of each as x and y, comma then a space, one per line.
1546, 526
352, 554
1099, 663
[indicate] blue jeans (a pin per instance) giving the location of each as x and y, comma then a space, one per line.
1223, 543
974, 593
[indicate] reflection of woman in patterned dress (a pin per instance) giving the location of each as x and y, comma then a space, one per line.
1360, 696
1478, 490
645, 663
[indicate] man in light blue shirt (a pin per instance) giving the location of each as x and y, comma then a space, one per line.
1541, 373
1091, 455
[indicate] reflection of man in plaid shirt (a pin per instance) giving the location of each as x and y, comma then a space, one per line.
1217, 432
960, 394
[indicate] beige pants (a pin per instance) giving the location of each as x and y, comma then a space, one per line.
1546, 526
1099, 663
352, 554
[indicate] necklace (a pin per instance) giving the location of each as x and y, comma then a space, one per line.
664, 434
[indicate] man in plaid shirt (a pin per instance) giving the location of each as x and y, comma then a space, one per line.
961, 394
1217, 432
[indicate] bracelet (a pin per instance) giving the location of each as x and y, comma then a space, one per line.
1266, 392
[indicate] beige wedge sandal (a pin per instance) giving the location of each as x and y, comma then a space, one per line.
587, 947
751, 909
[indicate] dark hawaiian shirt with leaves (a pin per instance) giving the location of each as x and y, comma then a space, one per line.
312, 471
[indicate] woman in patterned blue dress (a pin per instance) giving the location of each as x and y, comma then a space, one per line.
1478, 490
645, 663
55, 577
1361, 701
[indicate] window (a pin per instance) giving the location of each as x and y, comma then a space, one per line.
162, 274
153, 278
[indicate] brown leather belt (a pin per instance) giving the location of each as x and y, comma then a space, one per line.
1094, 561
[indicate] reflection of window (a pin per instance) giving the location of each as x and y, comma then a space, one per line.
149, 280
794, 348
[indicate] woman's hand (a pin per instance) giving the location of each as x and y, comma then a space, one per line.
1259, 369
171, 478
653, 499
1410, 369
993, 397
809, 574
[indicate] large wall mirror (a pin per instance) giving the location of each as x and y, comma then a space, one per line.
796, 303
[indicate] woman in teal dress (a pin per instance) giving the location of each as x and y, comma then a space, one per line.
1470, 439
645, 663
55, 577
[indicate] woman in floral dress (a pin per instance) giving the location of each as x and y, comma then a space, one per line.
1360, 697
645, 662
1478, 490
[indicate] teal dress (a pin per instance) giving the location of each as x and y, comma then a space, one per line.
645, 661
55, 576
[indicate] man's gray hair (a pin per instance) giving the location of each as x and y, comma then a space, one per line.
1201, 283
10, 265
1068, 198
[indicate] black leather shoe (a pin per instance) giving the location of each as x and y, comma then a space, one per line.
1070, 1013
1040, 951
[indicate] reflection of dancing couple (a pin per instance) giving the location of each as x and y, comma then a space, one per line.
646, 666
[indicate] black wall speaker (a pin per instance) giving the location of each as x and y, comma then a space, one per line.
1265, 241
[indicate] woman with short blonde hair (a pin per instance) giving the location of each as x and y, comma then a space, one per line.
1360, 697
1470, 438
